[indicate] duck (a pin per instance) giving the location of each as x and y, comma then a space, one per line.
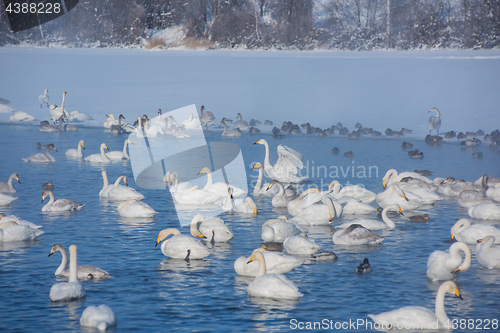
66, 291
234, 133
44, 98
76, 152
60, 205
213, 228
283, 197
435, 121
287, 167
269, 285
447, 265
261, 189
276, 230
206, 117
42, 158
84, 272
120, 155
300, 244
6, 199
486, 254
11, 231
388, 224
135, 208
364, 267
219, 188
101, 317
247, 205
276, 263
419, 218
7, 187
240, 123
485, 211
181, 246
418, 316
99, 158
319, 213
466, 233
356, 234
21, 116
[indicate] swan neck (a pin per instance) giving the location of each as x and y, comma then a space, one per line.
209, 179
258, 185
64, 262
331, 208
439, 308
225, 127
267, 164
73, 266
386, 218
105, 181
262, 263
125, 149
117, 181
103, 154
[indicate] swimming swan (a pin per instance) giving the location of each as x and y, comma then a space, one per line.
434, 121
100, 317
57, 112
319, 213
188, 194
212, 228
134, 208
99, 158
11, 231
106, 188
260, 189
418, 316
181, 246
76, 152
300, 244
42, 158
282, 197
486, 254
276, 263
60, 205
443, 265
247, 205
121, 193
286, 168
21, 116
353, 206
276, 230
356, 234
6, 199
7, 186
305, 199
120, 155
219, 188
65, 291
394, 195
392, 176
234, 133
19, 221
485, 211
466, 233
268, 285
240, 123
354, 191
84, 272
371, 224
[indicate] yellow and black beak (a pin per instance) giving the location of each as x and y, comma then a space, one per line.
457, 293
250, 260
158, 241
401, 212
256, 143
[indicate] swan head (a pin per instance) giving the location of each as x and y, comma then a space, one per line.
451, 288
51, 146
82, 143
159, 112
16, 177
256, 255
56, 247
462, 223
195, 232
333, 183
165, 233
205, 170
45, 194
257, 165
260, 142
103, 145
129, 142
239, 116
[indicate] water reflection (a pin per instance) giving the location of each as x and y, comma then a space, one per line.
180, 265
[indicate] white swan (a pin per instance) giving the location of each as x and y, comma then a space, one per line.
6, 199
300, 244
282, 197
247, 205
394, 195
78, 116
493, 192
110, 121
371, 224
234, 133
356, 234
59, 205
42, 158
443, 265
12, 231
58, 112
7, 186
100, 317
305, 199
120, 155
134, 208
485, 211
206, 117
418, 316
76, 152
172, 180
270, 285
106, 188
240, 123
458, 187
192, 195
117, 129
466, 233
287, 167
354, 206
181, 246
276, 230
354, 191
392, 176
99, 158
276, 263
122, 193
319, 213
44, 98
486, 254
192, 122
434, 121
84, 272
469, 198
212, 228
19, 221
65, 291
219, 188
21, 116
422, 194
260, 189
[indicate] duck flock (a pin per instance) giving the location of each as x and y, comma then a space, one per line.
350, 210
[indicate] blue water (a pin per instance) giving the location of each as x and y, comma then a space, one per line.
150, 292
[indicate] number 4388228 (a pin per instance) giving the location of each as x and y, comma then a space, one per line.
472, 324
33, 8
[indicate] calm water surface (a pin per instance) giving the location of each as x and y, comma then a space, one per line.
150, 292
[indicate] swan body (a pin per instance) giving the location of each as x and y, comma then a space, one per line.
100, 317
443, 265
319, 213
195, 196
262, 189
356, 234
65, 291
7, 186
392, 176
206, 117
106, 188
305, 199
287, 167
276, 263
44, 98
21, 116
466, 233
234, 133
117, 129
192, 122
6, 199
213, 228
353, 206
11, 231
458, 187
122, 193
417, 316
299, 244
18, 220
434, 121
78, 116
172, 181
219, 188
283, 197
276, 230
388, 224
247, 205
268, 285
58, 112
422, 194
84, 272
134, 208
60, 205
110, 121
493, 192
42, 158
394, 195
99, 158
181, 246
76, 152
353, 191
486, 254
469, 198
485, 211
240, 123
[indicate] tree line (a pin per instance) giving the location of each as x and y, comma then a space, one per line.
278, 24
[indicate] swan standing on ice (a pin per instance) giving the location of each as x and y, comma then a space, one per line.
206, 117
434, 121
388, 224
134, 208
100, 317
268, 285
276, 263
234, 133
418, 316
60, 205
120, 155
99, 158
44, 98
286, 168
12, 231
84, 272
213, 228
443, 265
21, 116
7, 186
466, 233
42, 158
66, 291
486, 254
76, 152
181, 246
